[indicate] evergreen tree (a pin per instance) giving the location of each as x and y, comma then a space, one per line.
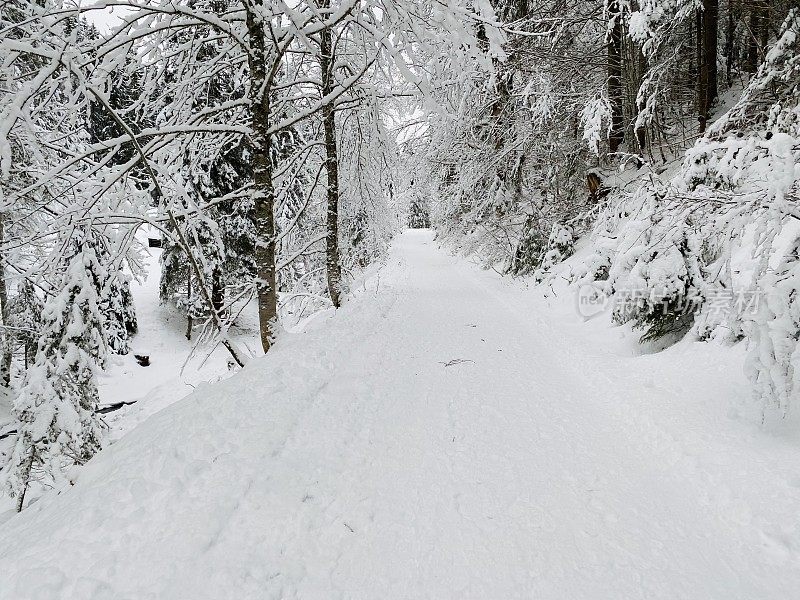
124, 95
119, 315
179, 282
221, 227
25, 310
419, 214
56, 407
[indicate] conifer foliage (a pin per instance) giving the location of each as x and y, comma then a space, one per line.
56, 406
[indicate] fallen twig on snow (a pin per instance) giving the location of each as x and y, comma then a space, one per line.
8, 433
456, 361
112, 407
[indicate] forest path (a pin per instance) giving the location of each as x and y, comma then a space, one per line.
495, 460
441, 437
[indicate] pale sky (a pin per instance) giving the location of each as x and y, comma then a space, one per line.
105, 19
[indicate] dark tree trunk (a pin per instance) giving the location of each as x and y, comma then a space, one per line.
730, 30
217, 291
189, 319
25, 476
7, 337
333, 261
710, 50
754, 37
707, 82
263, 185
614, 46
766, 15
640, 131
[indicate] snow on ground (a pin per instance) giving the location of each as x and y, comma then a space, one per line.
447, 434
175, 369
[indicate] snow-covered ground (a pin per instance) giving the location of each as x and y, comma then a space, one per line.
446, 434
177, 365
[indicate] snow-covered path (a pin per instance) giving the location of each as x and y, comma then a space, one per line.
438, 438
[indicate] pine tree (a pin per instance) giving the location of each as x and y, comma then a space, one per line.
179, 282
25, 310
119, 315
419, 214
125, 91
220, 227
56, 407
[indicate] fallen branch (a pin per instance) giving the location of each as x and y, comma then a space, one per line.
456, 361
112, 407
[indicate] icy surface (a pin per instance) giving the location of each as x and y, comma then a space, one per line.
447, 434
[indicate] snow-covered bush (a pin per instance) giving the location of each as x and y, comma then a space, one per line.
773, 335
528, 253
654, 272
672, 248
560, 246
756, 155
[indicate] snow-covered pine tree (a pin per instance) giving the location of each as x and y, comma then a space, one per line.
179, 283
216, 212
25, 316
227, 175
126, 96
220, 174
419, 213
56, 407
119, 315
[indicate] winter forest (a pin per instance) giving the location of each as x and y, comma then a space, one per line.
469, 299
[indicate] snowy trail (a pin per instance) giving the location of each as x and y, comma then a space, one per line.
359, 461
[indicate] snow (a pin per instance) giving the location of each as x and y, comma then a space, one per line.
446, 434
174, 370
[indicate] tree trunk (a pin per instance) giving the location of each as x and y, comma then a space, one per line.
707, 82
756, 25
189, 320
25, 476
263, 185
217, 291
30, 353
7, 338
766, 15
710, 50
730, 31
640, 131
333, 262
614, 45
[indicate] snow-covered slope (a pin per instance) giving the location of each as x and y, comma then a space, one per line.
174, 369
447, 434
